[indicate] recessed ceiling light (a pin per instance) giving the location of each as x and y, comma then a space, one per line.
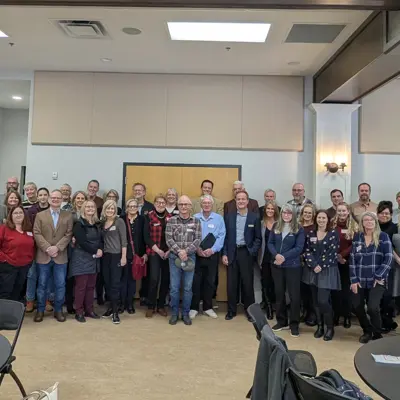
294, 63
17, 98
131, 31
219, 32
3, 35
106, 59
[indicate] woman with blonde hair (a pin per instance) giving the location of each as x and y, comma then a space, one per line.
172, 201
307, 216
286, 243
270, 216
346, 226
370, 260
85, 263
114, 256
77, 201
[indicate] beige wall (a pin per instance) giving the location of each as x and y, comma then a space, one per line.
193, 111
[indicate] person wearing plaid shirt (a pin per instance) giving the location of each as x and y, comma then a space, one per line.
158, 252
370, 260
183, 237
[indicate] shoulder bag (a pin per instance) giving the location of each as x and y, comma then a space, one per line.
139, 268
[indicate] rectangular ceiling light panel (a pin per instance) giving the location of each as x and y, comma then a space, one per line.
219, 31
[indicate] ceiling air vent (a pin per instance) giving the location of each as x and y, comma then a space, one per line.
83, 29
314, 33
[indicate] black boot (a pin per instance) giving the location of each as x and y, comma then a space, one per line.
329, 333
269, 311
319, 332
347, 322
336, 320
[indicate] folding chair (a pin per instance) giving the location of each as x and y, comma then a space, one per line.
306, 389
11, 317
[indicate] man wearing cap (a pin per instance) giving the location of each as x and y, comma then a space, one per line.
183, 237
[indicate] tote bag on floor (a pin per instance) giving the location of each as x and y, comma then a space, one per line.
49, 394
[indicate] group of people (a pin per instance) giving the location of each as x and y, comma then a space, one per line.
329, 262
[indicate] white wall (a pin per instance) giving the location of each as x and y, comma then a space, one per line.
13, 143
260, 169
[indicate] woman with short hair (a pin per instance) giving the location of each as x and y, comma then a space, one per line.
12, 199
321, 272
370, 260
112, 194
172, 201
30, 190
114, 256
85, 262
286, 243
17, 250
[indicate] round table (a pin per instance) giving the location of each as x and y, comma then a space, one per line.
383, 379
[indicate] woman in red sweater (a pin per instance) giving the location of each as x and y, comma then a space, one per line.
17, 250
346, 227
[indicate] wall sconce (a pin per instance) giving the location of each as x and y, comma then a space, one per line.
333, 167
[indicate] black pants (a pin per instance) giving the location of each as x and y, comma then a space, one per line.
287, 279
203, 286
341, 299
388, 306
158, 276
110, 264
69, 291
241, 270
144, 288
100, 286
12, 281
374, 324
128, 286
322, 305
267, 283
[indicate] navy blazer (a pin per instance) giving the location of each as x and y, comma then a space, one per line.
252, 235
328, 257
290, 247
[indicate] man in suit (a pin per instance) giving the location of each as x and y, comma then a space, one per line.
139, 193
52, 232
242, 242
207, 187
230, 206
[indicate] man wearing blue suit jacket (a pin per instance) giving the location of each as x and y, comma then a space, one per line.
242, 242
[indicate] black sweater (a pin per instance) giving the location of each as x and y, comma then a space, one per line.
137, 229
88, 237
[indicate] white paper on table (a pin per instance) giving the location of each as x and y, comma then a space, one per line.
386, 359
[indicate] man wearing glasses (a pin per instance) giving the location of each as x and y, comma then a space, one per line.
52, 232
299, 198
183, 237
12, 183
139, 193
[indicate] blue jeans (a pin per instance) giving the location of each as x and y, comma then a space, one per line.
32, 284
59, 275
175, 285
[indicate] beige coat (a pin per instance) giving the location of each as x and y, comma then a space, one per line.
46, 235
218, 206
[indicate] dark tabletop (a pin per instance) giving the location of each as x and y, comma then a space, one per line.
5, 351
384, 379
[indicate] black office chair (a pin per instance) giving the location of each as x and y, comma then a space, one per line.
306, 389
11, 317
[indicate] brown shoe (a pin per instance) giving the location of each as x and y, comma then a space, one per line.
149, 313
59, 316
38, 317
29, 306
162, 312
49, 306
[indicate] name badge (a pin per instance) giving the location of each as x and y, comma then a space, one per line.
190, 225
29, 233
358, 248
251, 226
313, 240
211, 226
157, 224
189, 230
345, 230
175, 212
113, 228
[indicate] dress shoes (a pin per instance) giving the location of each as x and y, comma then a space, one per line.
330, 332
39, 316
92, 315
229, 316
162, 312
59, 316
80, 318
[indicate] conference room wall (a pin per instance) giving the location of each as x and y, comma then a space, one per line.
260, 169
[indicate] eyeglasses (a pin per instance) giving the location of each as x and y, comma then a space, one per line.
160, 203
56, 198
287, 212
184, 204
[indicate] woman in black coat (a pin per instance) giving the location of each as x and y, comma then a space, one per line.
85, 262
134, 229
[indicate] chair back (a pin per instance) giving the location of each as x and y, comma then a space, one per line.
258, 317
306, 389
11, 317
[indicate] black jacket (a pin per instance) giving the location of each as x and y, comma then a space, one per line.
147, 207
137, 237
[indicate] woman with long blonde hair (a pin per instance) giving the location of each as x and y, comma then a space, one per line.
370, 261
346, 227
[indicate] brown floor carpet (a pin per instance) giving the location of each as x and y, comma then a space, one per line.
149, 359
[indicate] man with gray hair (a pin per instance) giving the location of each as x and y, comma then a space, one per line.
213, 236
230, 206
299, 198
269, 195
183, 237
12, 183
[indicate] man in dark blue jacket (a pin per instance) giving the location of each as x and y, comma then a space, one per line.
242, 242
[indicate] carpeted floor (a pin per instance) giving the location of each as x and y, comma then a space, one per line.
149, 359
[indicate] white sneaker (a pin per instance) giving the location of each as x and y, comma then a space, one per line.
193, 314
211, 313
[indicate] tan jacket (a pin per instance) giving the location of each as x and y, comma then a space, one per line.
46, 235
218, 206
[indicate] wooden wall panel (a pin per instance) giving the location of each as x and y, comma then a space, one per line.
138, 103
62, 110
272, 113
204, 111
